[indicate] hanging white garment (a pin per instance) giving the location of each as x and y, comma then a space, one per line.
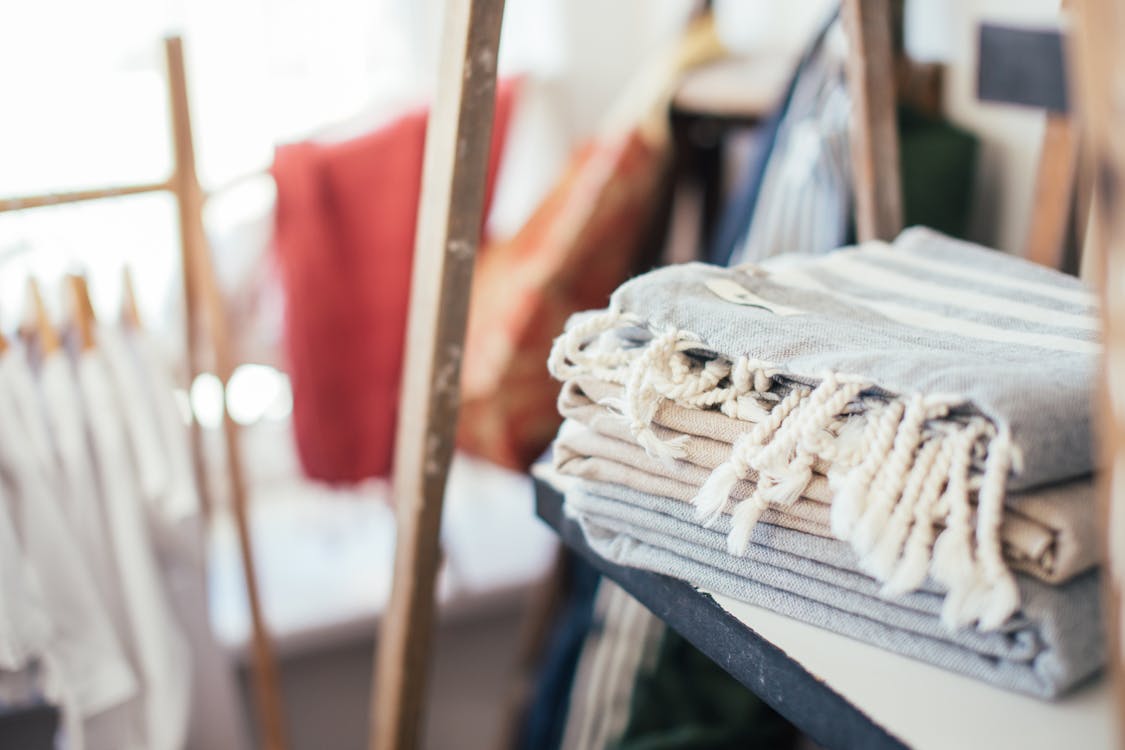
182, 498
154, 476
86, 671
124, 725
65, 414
162, 653
25, 629
158, 435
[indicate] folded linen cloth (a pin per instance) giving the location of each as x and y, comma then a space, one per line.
1051, 644
918, 373
1049, 532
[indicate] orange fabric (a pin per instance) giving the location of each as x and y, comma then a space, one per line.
579, 245
344, 244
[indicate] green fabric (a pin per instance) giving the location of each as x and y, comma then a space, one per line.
938, 161
687, 702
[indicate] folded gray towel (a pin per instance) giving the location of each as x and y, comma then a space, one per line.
920, 374
1052, 643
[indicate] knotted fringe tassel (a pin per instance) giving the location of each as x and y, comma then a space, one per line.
688, 384
851, 498
890, 479
657, 370
575, 353
746, 408
750, 397
746, 397
845, 447
643, 399
784, 466
880, 560
952, 564
743, 521
996, 597
910, 571
715, 492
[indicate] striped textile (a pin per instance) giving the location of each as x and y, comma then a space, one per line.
930, 375
623, 643
805, 201
1054, 643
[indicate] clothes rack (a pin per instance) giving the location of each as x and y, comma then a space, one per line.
201, 284
203, 307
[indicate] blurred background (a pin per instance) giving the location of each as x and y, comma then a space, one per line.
307, 135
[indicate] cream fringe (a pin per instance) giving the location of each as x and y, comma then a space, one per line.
900, 465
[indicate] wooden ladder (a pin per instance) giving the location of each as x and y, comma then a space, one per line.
203, 306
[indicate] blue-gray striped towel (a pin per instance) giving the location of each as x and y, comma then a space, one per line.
931, 375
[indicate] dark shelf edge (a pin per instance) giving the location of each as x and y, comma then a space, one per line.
767, 671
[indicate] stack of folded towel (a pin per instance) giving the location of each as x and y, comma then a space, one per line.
891, 442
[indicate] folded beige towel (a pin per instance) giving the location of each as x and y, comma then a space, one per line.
1049, 532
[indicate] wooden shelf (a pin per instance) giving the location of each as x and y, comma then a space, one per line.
844, 693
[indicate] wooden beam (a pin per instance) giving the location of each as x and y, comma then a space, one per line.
1053, 202
1101, 79
203, 299
448, 232
1054, 193
79, 196
189, 204
874, 133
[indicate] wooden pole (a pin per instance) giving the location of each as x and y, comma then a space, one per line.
874, 132
79, 196
189, 202
1053, 199
448, 232
202, 296
1101, 79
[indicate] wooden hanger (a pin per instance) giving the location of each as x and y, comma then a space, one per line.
81, 310
37, 324
130, 315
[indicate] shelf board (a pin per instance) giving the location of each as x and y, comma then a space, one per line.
844, 693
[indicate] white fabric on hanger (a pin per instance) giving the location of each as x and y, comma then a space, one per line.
162, 653
140, 368
85, 670
65, 414
141, 373
149, 455
122, 726
184, 499
25, 629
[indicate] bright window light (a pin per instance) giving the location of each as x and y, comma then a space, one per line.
254, 392
207, 400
